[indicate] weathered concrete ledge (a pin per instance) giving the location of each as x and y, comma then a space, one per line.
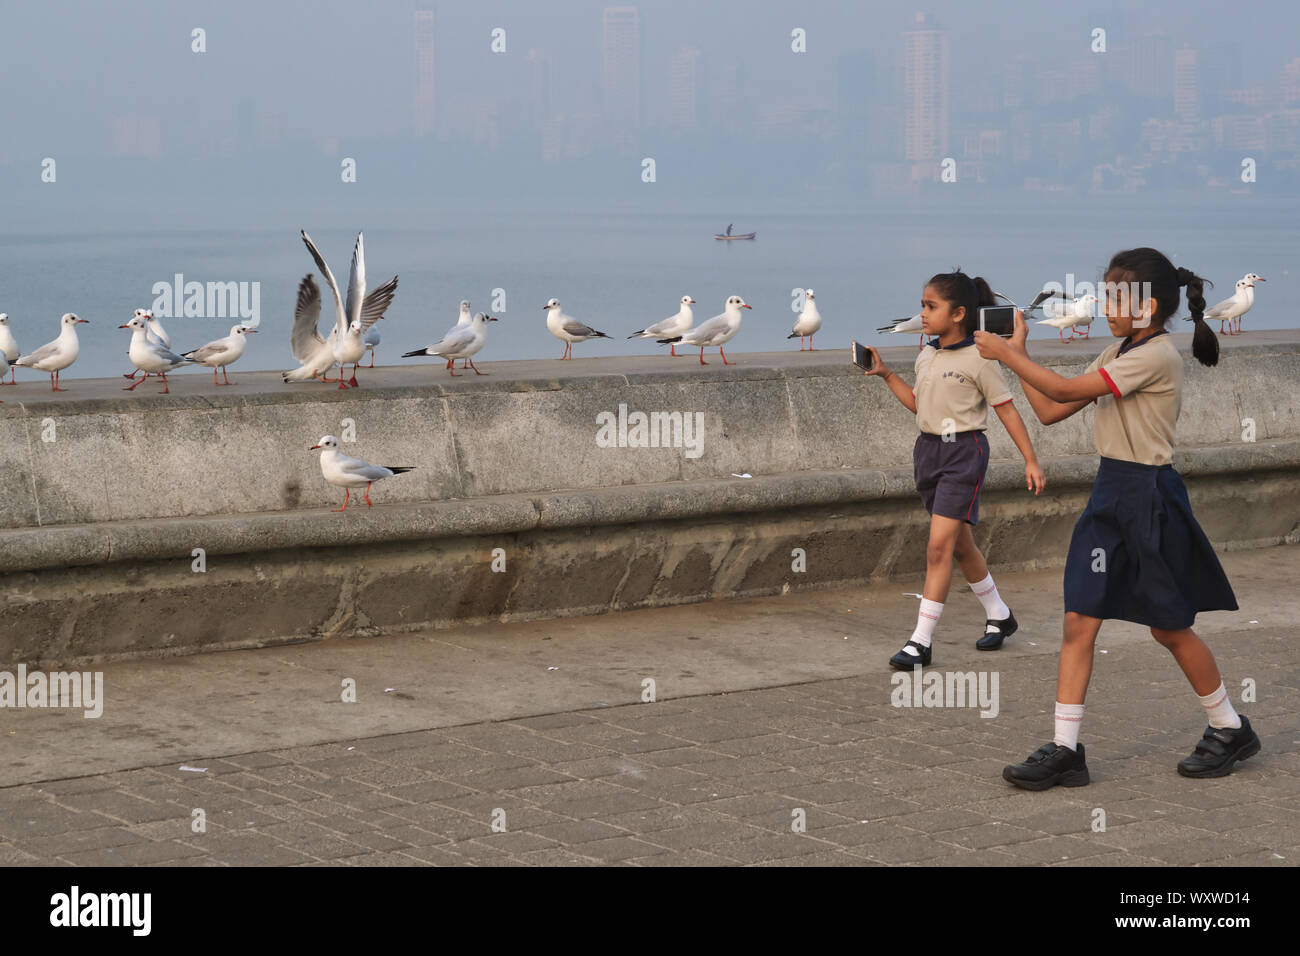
155, 539
98, 528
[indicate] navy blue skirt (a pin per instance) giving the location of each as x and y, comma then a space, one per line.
1138, 555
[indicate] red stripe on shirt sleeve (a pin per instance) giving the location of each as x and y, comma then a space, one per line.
1114, 390
1000, 404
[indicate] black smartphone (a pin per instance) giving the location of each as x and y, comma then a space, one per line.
998, 319
863, 358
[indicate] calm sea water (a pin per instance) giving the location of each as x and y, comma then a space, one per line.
619, 269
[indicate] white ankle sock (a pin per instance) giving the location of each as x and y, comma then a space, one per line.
995, 609
1218, 706
926, 619
1068, 719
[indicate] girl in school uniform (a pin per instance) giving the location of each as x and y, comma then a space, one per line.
1137, 553
954, 389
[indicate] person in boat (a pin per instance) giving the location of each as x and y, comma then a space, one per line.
729, 225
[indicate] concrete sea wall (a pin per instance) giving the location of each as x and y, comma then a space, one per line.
105, 497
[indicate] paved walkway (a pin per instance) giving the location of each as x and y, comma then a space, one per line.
792, 723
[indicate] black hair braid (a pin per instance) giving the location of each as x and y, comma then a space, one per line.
1205, 344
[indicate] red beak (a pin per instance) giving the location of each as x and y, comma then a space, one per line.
120, 326
249, 331
313, 447
747, 307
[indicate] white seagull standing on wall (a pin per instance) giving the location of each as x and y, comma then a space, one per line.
348, 473
1231, 310
8, 347
150, 356
808, 323
222, 352
672, 326
718, 331
567, 328
344, 345
54, 357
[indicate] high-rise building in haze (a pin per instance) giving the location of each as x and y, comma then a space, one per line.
1151, 63
1291, 83
1187, 97
682, 89
423, 115
925, 91
539, 81
621, 47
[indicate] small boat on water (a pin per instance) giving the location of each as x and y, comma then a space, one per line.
728, 235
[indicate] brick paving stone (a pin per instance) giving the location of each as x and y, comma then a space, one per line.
572, 833
133, 854
713, 780
769, 847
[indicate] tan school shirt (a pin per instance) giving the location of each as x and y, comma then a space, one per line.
1136, 421
956, 383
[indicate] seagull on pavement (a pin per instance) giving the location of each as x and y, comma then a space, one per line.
348, 473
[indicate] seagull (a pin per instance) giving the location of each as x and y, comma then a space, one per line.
54, 357
907, 325
462, 341
1232, 309
344, 344
222, 352
567, 328
674, 325
718, 331
156, 334
809, 321
348, 473
152, 358
370, 340
1066, 312
8, 348
464, 318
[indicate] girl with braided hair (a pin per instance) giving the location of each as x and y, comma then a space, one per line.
1137, 553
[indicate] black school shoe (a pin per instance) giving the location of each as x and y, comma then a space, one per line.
905, 661
1049, 765
992, 640
1218, 749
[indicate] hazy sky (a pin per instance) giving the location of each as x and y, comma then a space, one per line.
347, 68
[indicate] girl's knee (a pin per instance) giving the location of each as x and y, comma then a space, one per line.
1079, 630
1171, 639
939, 551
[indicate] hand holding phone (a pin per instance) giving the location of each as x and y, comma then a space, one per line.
863, 357
998, 319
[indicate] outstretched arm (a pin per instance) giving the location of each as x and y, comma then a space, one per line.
1035, 480
902, 391
1053, 397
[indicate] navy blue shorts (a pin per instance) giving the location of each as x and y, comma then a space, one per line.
1137, 553
949, 474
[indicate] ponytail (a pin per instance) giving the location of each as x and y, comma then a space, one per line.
1205, 344
1153, 269
959, 289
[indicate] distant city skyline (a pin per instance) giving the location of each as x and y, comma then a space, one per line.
720, 92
